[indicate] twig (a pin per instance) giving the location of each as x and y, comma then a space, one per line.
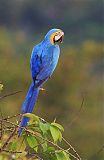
7, 141
35, 134
34, 155
10, 94
4, 150
71, 147
78, 113
101, 149
97, 153
9, 138
9, 117
1, 129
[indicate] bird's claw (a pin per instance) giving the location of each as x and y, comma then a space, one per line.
42, 89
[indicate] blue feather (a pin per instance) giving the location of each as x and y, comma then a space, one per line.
28, 106
43, 61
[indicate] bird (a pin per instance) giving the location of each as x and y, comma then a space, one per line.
43, 61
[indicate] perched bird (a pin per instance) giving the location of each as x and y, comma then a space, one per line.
43, 61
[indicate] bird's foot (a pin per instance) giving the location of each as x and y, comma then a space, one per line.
42, 89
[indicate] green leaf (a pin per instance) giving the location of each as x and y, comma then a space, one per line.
32, 142
60, 136
21, 144
21, 155
50, 149
62, 155
66, 155
13, 146
20, 147
58, 126
53, 157
33, 118
44, 127
44, 146
55, 132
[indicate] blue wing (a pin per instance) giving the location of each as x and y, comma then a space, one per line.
49, 62
36, 61
43, 63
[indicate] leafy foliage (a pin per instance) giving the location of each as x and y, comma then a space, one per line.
39, 140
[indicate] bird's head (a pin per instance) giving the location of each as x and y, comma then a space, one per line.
54, 36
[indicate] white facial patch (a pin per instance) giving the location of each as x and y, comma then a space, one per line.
58, 35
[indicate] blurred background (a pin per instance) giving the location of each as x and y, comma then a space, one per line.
23, 24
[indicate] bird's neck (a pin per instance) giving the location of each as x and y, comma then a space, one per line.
47, 43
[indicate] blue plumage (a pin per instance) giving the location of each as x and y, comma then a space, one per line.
43, 61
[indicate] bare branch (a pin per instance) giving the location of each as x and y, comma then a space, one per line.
71, 147
1, 128
4, 150
97, 153
78, 113
8, 140
34, 134
9, 117
10, 94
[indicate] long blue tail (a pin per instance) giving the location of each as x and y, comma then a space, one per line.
28, 105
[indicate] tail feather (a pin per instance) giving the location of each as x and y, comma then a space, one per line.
28, 106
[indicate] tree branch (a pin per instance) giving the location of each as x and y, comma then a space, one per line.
8, 139
78, 113
10, 94
34, 134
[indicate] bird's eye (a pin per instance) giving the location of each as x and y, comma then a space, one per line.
56, 34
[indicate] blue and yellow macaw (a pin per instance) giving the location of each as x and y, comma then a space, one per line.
43, 61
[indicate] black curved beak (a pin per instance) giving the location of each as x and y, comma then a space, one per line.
61, 38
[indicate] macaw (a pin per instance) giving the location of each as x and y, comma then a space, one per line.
44, 59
